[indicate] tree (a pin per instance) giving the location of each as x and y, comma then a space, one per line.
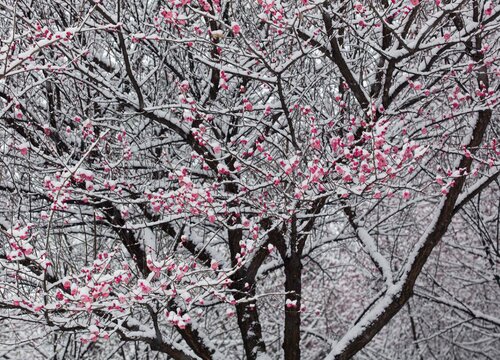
270, 179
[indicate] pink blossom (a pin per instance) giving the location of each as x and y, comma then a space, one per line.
316, 143
216, 148
23, 149
489, 8
248, 106
184, 86
359, 7
236, 29
144, 286
214, 265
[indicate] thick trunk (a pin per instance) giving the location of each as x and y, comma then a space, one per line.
293, 288
249, 324
246, 311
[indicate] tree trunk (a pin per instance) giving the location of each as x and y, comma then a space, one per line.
293, 288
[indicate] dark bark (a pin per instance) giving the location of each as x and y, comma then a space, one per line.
249, 324
246, 311
293, 289
189, 334
441, 226
338, 59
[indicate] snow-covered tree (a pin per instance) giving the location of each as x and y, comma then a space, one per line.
208, 179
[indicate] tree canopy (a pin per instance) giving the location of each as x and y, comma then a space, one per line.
209, 179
